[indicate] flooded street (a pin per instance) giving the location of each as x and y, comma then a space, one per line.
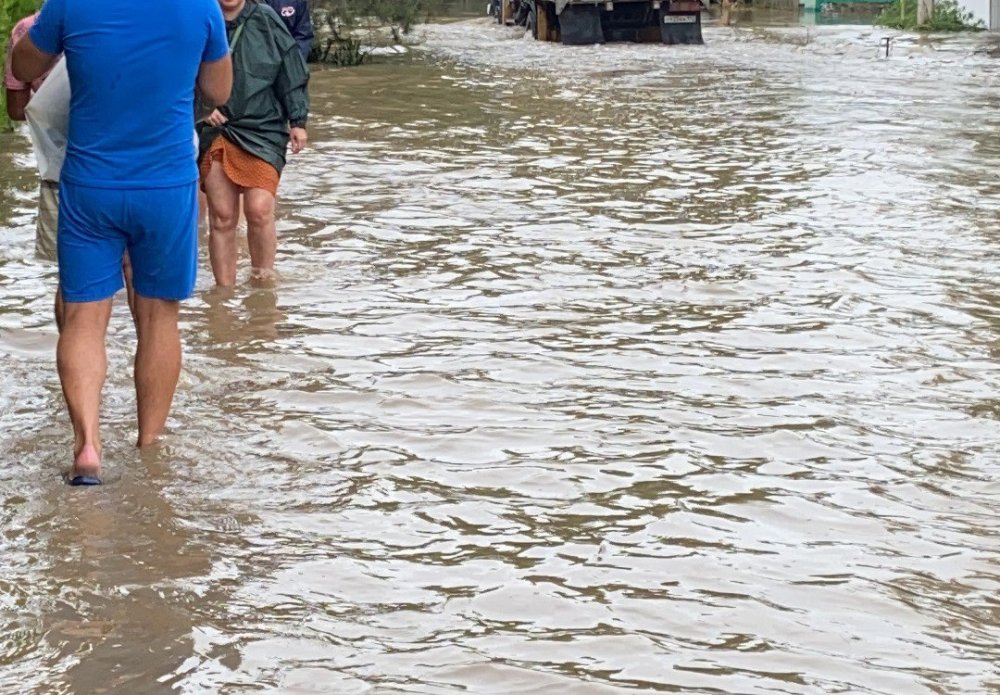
593, 370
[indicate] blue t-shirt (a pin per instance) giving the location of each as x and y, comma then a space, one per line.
132, 71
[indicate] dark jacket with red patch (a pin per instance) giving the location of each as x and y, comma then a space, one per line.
295, 14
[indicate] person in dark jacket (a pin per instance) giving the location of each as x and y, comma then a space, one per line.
295, 14
242, 145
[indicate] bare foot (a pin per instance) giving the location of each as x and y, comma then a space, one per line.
87, 467
263, 278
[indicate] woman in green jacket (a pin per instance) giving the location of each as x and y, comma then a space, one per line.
242, 145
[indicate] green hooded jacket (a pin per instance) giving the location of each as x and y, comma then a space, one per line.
270, 81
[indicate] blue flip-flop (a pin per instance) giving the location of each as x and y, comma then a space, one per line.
84, 480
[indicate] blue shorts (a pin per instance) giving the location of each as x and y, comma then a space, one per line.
157, 226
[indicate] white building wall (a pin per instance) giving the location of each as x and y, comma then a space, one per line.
980, 9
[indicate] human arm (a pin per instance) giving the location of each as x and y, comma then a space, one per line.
216, 119
302, 29
215, 74
37, 50
292, 88
16, 91
298, 138
17, 100
28, 62
215, 80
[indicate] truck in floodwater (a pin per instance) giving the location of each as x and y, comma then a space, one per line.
581, 22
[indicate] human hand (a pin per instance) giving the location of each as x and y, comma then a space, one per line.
216, 119
299, 139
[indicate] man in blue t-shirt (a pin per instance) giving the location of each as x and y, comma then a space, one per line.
129, 183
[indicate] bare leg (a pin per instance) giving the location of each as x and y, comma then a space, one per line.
262, 235
60, 308
223, 216
202, 208
83, 365
129, 292
157, 364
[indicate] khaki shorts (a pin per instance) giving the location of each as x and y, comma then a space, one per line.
47, 225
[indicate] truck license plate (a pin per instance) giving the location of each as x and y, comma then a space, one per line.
678, 19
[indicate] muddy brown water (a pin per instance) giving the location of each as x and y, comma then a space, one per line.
599, 370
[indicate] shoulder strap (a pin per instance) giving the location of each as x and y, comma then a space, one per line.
236, 37
239, 30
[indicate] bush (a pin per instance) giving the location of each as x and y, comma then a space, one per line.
948, 16
400, 16
336, 22
345, 52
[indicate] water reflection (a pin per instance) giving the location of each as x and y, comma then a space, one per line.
659, 370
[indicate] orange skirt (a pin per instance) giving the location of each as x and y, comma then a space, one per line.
240, 167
